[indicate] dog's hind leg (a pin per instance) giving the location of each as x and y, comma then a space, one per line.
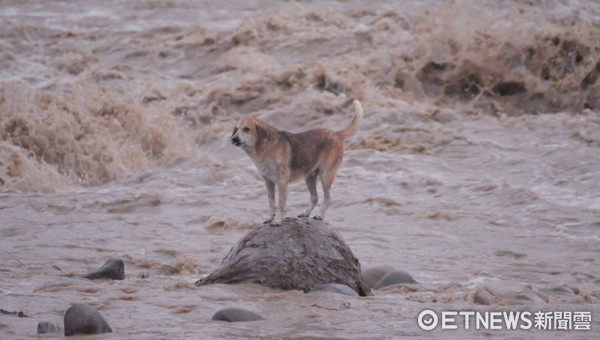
311, 183
326, 181
271, 193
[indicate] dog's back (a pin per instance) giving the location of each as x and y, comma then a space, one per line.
319, 148
311, 149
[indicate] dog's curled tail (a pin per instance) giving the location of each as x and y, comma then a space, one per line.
355, 124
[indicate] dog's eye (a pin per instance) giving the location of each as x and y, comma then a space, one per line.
246, 129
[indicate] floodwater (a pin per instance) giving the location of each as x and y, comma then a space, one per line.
478, 159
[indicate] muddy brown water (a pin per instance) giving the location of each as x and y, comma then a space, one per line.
478, 159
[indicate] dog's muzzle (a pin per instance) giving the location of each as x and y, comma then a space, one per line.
236, 141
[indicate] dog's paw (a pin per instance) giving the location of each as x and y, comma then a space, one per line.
318, 217
303, 215
268, 220
277, 220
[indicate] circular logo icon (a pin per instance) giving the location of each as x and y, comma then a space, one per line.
427, 320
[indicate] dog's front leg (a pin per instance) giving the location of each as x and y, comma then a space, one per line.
282, 193
271, 193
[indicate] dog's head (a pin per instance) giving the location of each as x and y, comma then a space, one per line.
248, 132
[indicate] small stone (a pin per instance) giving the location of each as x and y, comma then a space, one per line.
562, 289
47, 327
84, 319
395, 277
113, 269
236, 315
375, 274
334, 288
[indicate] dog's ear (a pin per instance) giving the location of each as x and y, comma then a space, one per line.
235, 130
262, 133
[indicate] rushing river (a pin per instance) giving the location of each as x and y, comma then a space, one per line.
478, 159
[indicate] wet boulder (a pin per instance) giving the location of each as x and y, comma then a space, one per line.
236, 315
334, 288
84, 319
113, 269
394, 278
299, 254
47, 327
372, 275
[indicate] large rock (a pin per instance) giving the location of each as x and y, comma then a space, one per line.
113, 269
84, 319
299, 254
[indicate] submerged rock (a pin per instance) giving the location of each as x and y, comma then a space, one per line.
395, 277
236, 315
334, 288
483, 297
84, 319
113, 269
168, 270
507, 292
47, 327
66, 283
299, 254
373, 275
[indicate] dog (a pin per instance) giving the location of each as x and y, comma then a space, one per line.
282, 157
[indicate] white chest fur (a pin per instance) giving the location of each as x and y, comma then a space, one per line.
266, 167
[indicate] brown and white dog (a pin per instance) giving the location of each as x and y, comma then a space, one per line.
282, 157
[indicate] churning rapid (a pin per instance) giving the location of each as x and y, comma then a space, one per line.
477, 163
